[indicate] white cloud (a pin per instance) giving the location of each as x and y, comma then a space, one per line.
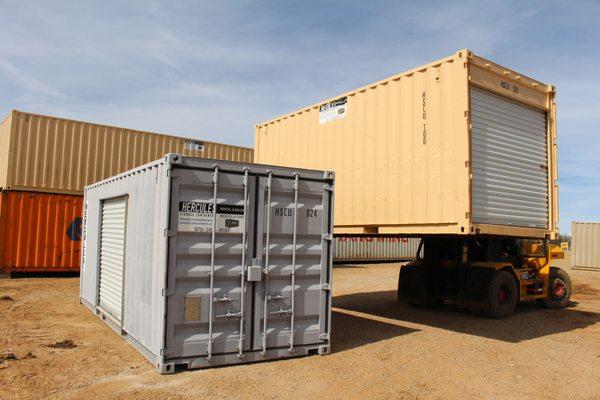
32, 87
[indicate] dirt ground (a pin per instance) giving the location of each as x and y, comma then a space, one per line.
380, 350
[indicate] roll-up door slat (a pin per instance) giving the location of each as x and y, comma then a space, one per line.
509, 153
112, 245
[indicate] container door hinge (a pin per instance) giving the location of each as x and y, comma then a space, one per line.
165, 353
327, 236
168, 172
167, 293
326, 286
168, 233
324, 336
328, 188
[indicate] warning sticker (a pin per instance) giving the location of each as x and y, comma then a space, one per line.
333, 110
197, 216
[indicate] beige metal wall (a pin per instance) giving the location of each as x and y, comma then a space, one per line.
385, 175
4, 147
354, 248
51, 154
402, 151
585, 244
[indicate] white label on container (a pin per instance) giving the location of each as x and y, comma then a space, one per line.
197, 216
193, 145
333, 110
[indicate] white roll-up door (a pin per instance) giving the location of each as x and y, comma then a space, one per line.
510, 162
112, 252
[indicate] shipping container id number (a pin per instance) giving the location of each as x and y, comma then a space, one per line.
288, 212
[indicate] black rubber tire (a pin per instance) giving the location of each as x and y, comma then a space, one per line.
502, 306
435, 303
552, 300
476, 311
398, 296
410, 282
414, 281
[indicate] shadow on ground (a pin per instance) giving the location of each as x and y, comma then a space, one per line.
529, 322
361, 264
347, 265
23, 275
350, 331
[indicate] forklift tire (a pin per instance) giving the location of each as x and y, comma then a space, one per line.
476, 311
410, 288
559, 289
503, 295
434, 303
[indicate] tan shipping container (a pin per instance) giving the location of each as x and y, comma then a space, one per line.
458, 146
585, 245
377, 248
49, 154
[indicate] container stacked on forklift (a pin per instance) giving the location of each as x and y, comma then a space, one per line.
461, 152
45, 163
460, 146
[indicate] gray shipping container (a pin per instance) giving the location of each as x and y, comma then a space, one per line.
353, 248
202, 263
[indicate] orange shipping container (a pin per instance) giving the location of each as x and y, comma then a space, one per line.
40, 232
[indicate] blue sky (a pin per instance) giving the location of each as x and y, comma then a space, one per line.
214, 69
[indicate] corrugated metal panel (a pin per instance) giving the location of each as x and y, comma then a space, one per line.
398, 151
509, 153
40, 232
207, 273
374, 248
4, 148
60, 155
112, 255
585, 244
143, 312
401, 149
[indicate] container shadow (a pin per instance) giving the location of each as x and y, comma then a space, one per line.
65, 274
364, 264
347, 265
529, 321
350, 331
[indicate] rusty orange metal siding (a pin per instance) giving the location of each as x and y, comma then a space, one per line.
40, 232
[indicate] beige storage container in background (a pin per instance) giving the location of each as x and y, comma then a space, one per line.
458, 146
377, 248
49, 154
585, 245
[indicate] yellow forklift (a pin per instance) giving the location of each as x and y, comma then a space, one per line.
488, 275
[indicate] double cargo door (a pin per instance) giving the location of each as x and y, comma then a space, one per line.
248, 263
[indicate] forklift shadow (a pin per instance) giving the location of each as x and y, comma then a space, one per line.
347, 265
361, 264
528, 322
350, 331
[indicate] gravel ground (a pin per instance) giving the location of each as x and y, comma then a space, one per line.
380, 350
